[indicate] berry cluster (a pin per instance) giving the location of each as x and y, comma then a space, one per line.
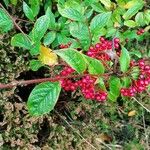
140, 32
86, 84
62, 46
98, 51
140, 84
88, 89
68, 84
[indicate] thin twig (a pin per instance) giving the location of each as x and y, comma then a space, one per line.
19, 19
146, 136
15, 24
27, 82
141, 104
75, 130
116, 56
104, 144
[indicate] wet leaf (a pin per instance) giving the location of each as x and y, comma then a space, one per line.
47, 57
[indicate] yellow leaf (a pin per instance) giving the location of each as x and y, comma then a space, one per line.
47, 57
106, 3
132, 113
116, 25
130, 4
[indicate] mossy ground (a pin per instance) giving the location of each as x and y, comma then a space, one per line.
73, 124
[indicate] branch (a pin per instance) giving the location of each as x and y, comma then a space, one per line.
15, 24
141, 104
53, 79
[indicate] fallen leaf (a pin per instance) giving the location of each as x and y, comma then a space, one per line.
104, 138
47, 56
132, 113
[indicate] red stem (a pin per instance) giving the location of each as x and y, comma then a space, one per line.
27, 82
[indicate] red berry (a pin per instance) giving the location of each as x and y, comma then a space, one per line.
116, 40
102, 39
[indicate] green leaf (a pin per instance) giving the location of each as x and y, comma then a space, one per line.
35, 50
135, 72
124, 60
126, 82
6, 23
112, 97
6, 2
35, 6
35, 65
111, 32
140, 19
20, 40
52, 23
97, 33
130, 34
106, 3
74, 58
147, 16
136, 53
35, 9
115, 85
98, 7
80, 31
133, 10
49, 37
130, 23
43, 98
28, 11
101, 83
40, 27
14, 2
70, 13
88, 13
94, 66
100, 20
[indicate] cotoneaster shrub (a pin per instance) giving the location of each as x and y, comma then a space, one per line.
88, 46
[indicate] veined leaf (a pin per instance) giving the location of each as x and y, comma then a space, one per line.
147, 16
140, 19
52, 23
130, 4
47, 57
126, 82
124, 60
6, 23
35, 65
20, 40
40, 27
115, 85
114, 88
130, 23
43, 98
79, 30
74, 58
133, 10
94, 66
70, 13
28, 11
135, 72
106, 3
98, 7
100, 21
49, 37
101, 83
